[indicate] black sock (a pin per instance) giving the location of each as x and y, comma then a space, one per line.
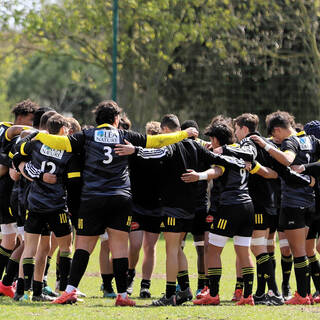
301, 271
239, 283
170, 289
120, 271
45, 276
273, 260
262, 266
314, 266
272, 284
37, 288
286, 266
248, 276
214, 275
206, 281
183, 280
4, 258
145, 284
11, 272
201, 280
20, 286
78, 266
64, 267
107, 281
28, 269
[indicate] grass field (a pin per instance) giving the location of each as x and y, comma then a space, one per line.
95, 307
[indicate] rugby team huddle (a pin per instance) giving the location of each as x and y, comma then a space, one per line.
108, 181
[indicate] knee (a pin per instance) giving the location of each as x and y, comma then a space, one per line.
285, 251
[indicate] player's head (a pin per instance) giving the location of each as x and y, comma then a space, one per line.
153, 128
38, 114
108, 112
124, 123
24, 112
220, 133
280, 124
74, 125
170, 123
44, 119
221, 118
58, 124
244, 124
313, 128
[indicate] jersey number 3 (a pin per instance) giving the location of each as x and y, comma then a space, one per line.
107, 153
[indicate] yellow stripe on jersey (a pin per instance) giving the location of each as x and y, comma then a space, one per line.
74, 175
54, 141
6, 136
11, 155
162, 140
22, 149
256, 168
301, 133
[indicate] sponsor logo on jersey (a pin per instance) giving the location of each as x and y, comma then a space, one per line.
209, 219
107, 136
305, 143
2, 131
47, 151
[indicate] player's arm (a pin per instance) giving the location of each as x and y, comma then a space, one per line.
3, 170
129, 149
14, 174
31, 173
73, 143
246, 153
309, 168
193, 176
15, 130
284, 156
263, 171
160, 140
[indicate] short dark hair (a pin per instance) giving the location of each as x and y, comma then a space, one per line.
24, 107
313, 128
171, 121
188, 124
38, 114
106, 112
56, 122
45, 117
250, 120
222, 131
280, 119
124, 122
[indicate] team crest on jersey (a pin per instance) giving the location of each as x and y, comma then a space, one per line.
47, 151
305, 143
2, 131
107, 136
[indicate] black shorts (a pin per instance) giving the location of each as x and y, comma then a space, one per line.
58, 222
314, 230
6, 213
146, 219
235, 220
174, 220
295, 218
199, 225
95, 215
261, 218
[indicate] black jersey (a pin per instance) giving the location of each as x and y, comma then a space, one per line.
105, 173
44, 197
145, 178
177, 158
307, 149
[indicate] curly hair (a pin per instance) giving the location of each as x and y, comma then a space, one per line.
24, 107
106, 111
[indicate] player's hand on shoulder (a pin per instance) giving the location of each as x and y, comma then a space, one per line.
124, 149
192, 132
258, 140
